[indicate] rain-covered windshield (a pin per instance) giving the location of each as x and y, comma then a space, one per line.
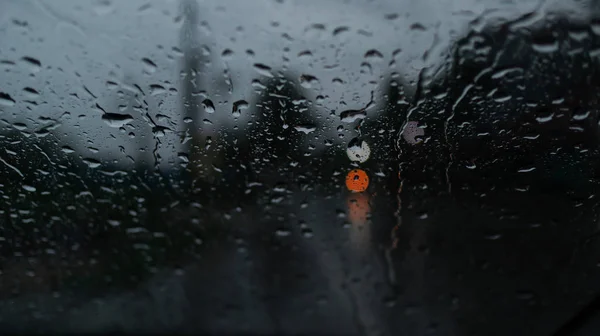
294, 167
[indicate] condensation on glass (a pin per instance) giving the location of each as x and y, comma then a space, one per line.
291, 167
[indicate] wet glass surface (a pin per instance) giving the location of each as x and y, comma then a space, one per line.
300, 167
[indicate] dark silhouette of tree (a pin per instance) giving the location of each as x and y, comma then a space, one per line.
275, 138
274, 147
511, 138
204, 147
274, 154
60, 212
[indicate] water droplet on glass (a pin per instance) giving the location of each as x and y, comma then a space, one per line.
156, 89
505, 72
263, 70
160, 131
283, 233
149, 66
366, 68
502, 99
28, 188
545, 47
20, 126
349, 116
92, 163
544, 118
373, 54
34, 64
358, 150
314, 31
144, 7
42, 132
307, 233
227, 54
116, 119
6, 99
258, 85
305, 55
307, 81
208, 105
114, 222
7, 64
595, 28
493, 236
31, 92
205, 51
111, 85
526, 169
183, 157
67, 150
20, 23
471, 165
417, 27
238, 106
305, 128
581, 115
339, 30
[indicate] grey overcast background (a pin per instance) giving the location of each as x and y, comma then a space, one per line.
83, 45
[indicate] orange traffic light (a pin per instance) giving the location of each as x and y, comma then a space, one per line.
357, 180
